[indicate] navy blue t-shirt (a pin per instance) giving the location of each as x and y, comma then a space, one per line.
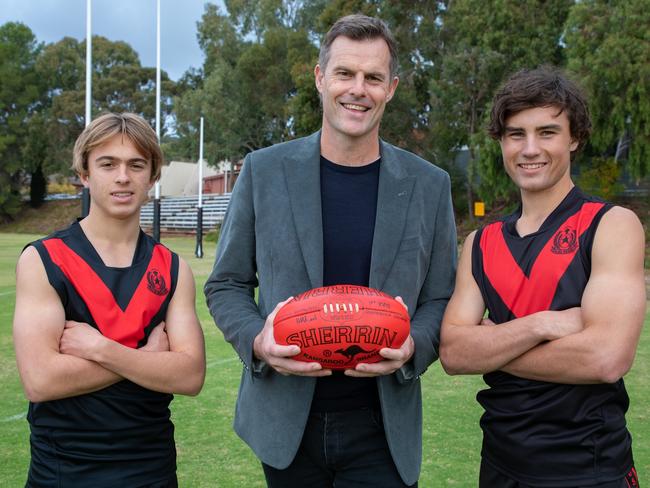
349, 206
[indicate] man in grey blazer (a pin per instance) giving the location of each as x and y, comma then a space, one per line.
339, 206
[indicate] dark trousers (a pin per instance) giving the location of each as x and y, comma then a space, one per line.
340, 450
491, 478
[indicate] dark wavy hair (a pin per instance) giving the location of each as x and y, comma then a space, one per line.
545, 86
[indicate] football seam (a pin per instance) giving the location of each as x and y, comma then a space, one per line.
318, 310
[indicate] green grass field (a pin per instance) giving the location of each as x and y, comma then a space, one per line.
211, 455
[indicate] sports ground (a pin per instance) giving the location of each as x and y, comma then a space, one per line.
211, 455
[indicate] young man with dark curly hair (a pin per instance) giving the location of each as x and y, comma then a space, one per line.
563, 281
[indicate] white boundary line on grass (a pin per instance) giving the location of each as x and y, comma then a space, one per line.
11, 418
19, 416
220, 361
7, 293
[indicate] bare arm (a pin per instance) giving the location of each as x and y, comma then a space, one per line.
39, 319
179, 370
613, 308
466, 347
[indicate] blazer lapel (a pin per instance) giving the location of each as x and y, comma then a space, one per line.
393, 198
302, 173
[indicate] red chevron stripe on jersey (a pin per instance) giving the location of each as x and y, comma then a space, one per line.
126, 327
526, 295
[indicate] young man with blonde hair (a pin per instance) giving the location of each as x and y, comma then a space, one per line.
105, 327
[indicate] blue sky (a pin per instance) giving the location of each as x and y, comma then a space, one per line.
133, 21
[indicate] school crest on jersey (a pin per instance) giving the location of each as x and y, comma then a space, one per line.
565, 241
525, 293
156, 282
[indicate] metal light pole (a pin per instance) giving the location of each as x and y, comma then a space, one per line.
85, 193
199, 209
156, 201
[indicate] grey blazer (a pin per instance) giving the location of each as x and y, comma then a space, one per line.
272, 238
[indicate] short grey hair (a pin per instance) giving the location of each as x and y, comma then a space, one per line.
359, 28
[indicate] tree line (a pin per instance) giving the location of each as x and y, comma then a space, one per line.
256, 86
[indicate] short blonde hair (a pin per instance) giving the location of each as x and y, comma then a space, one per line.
109, 125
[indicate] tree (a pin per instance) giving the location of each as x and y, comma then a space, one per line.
258, 16
61, 67
38, 188
479, 44
34, 154
19, 95
120, 84
247, 86
608, 47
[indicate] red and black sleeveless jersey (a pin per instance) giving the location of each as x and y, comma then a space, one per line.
123, 422
539, 433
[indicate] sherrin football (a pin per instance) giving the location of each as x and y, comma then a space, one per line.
343, 325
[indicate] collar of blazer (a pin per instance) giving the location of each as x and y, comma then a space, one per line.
302, 173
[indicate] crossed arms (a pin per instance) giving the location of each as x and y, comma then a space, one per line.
594, 343
58, 359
